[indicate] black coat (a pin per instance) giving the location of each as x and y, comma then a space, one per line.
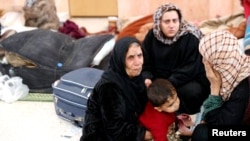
117, 101
108, 118
232, 111
179, 62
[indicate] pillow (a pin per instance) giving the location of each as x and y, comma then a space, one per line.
238, 31
138, 28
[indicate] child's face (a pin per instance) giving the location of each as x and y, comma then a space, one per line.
171, 105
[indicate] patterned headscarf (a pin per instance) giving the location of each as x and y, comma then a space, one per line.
223, 51
29, 3
185, 27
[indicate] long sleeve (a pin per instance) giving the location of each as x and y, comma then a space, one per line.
148, 62
115, 119
117, 122
189, 66
231, 111
211, 103
179, 62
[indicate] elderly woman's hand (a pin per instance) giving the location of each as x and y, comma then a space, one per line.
148, 82
213, 77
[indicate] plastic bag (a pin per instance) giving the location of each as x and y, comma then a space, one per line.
12, 89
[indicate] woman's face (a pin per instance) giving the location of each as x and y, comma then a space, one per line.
134, 60
170, 23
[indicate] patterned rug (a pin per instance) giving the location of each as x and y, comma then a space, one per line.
38, 97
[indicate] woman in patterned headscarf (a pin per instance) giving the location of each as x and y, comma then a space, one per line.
171, 52
228, 70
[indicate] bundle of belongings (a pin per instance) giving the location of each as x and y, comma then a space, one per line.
42, 56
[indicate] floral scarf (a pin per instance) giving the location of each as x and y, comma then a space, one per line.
185, 27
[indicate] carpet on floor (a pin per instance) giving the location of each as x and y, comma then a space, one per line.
38, 97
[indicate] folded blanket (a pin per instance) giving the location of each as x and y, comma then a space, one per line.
223, 23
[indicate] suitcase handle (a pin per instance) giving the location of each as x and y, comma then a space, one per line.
83, 90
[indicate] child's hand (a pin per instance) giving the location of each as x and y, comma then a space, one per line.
185, 119
184, 122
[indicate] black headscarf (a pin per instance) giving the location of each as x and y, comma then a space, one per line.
134, 90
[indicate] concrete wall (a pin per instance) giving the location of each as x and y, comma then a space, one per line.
191, 9
194, 10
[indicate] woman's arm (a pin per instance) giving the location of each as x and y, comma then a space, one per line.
189, 61
115, 116
213, 77
216, 111
147, 64
231, 111
214, 100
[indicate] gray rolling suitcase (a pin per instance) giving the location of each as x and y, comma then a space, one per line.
71, 93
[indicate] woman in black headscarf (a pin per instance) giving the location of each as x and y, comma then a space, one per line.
118, 98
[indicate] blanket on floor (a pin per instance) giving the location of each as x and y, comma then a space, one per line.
42, 56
